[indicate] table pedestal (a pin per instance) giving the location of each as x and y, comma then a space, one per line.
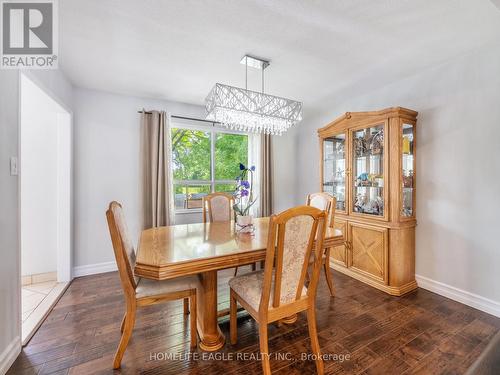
211, 337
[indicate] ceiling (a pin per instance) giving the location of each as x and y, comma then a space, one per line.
177, 50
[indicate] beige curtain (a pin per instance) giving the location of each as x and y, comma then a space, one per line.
266, 176
156, 170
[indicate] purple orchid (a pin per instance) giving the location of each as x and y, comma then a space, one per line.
244, 190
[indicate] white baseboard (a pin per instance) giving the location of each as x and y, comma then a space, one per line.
92, 269
459, 295
9, 355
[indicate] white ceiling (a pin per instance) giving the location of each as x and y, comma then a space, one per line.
178, 50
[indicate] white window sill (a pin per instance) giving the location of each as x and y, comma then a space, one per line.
191, 211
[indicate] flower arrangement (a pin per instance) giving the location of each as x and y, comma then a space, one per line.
244, 198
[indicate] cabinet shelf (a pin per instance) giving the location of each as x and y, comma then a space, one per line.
334, 159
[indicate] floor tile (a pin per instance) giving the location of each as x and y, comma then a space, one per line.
45, 287
32, 301
26, 293
26, 314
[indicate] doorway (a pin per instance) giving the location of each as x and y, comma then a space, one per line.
45, 203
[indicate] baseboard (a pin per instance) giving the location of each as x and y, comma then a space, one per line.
92, 269
470, 299
9, 355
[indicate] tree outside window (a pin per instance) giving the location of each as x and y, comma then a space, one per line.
203, 162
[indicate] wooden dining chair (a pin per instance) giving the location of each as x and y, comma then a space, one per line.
325, 202
279, 290
219, 207
141, 292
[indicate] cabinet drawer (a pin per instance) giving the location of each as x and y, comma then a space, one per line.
368, 250
339, 253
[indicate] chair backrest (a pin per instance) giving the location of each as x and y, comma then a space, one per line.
290, 244
217, 207
325, 202
122, 246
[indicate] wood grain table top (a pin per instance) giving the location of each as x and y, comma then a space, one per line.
173, 251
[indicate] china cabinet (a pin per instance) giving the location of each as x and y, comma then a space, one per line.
368, 163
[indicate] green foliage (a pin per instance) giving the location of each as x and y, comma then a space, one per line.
230, 151
190, 154
191, 161
225, 188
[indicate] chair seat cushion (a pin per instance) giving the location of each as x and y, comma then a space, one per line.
249, 288
149, 288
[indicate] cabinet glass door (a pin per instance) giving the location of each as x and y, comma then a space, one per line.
334, 167
368, 170
407, 170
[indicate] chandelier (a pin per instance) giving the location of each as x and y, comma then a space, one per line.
251, 111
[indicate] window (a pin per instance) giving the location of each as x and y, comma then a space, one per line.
205, 161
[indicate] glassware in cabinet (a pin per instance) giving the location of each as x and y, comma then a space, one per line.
407, 170
334, 168
368, 170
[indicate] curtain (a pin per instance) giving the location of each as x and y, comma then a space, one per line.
254, 144
156, 169
266, 175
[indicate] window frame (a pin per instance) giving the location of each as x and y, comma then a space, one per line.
213, 131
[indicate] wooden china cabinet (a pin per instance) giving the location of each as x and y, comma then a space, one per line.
368, 164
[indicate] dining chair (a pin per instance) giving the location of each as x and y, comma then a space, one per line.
219, 207
279, 290
141, 292
325, 202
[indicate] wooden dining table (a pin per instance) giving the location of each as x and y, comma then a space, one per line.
203, 249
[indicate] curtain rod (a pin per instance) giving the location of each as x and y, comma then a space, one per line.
185, 118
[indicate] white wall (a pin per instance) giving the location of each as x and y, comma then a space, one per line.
458, 167
39, 179
107, 155
55, 84
10, 315
107, 141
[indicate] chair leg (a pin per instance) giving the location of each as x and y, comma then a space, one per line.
328, 273
262, 264
127, 333
186, 306
123, 322
192, 320
264, 350
254, 266
235, 270
233, 311
313, 334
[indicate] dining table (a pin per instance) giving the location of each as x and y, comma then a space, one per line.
203, 249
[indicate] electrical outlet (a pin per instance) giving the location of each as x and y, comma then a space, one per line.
14, 169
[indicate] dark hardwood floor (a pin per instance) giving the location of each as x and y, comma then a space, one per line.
362, 330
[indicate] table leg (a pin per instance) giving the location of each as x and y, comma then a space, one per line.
211, 337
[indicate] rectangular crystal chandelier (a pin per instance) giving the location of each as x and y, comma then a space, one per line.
251, 111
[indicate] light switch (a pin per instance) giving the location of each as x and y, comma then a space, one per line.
14, 170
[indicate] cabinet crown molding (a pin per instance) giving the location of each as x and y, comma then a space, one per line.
402, 112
